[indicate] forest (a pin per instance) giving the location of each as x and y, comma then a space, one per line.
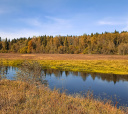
105, 43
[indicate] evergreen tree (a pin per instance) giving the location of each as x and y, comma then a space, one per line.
66, 42
1, 45
6, 44
105, 43
45, 41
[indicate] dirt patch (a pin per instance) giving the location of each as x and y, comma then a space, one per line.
28, 55
62, 56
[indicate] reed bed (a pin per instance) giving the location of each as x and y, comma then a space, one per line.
25, 98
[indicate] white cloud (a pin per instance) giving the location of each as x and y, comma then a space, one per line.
46, 22
3, 11
105, 23
7, 9
57, 25
58, 20
112, 21
109, 23
51, 26
120, 22
18, 34
31, 21
126, 27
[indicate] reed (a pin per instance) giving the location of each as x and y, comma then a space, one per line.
22, 97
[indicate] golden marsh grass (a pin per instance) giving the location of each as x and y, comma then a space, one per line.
98, 66
25, 98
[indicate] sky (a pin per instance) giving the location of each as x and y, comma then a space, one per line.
28, 18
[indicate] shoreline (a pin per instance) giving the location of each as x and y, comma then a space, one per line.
109, 64
23, 97
97, 66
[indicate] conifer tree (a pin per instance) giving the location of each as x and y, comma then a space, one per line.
6, 44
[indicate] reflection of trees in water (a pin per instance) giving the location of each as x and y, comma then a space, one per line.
66, 73
84, 75
61, 72
3, 70
33, 72
57, 73
75, 73
110, 77
30, 72
105, 77
49, 72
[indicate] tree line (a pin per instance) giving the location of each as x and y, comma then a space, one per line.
105, 43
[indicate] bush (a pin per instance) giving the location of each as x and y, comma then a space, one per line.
23, 50
123, 49
85, 51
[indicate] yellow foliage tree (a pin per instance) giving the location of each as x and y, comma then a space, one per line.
29, 50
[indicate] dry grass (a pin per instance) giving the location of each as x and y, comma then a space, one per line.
114, 64
21, 97
62, 56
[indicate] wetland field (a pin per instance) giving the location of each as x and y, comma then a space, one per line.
84, 83
111, 64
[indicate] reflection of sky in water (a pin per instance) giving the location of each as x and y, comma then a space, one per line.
104, 89
74, 82
11, 73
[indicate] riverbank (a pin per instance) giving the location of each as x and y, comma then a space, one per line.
109, 64
97, 66
23, 97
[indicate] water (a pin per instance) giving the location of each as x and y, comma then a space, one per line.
109, 86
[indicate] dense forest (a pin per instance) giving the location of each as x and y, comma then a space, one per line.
105, 43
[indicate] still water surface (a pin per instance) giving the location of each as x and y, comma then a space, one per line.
110, 86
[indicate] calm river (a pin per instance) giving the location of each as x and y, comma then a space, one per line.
110, 86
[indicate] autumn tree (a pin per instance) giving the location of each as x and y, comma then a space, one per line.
1, 45
123, 49
66, 45
29, 50
24, 50
105, 43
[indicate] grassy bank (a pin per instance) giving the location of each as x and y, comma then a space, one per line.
22, 97
99, 66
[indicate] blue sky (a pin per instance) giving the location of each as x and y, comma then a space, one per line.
24, 18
